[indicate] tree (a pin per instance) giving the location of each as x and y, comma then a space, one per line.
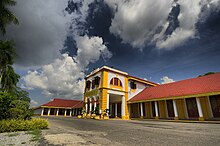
6, 16
7, 53
208, 73
9, 79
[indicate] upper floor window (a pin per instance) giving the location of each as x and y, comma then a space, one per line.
116, 82
95, 82
133, 85
88, 84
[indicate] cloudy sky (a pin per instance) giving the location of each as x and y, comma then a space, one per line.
59, 42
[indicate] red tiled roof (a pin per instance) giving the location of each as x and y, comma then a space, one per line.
64, 103
194, 86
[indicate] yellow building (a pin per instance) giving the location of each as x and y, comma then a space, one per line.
110, 89
125, 96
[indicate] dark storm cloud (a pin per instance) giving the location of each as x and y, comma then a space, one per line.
41, 32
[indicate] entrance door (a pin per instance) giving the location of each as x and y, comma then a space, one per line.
119, 110
134, 110
215, 104
192, 108
170, 108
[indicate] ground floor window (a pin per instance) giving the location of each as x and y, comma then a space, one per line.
215, 104
170, 109
134, 110
192, 108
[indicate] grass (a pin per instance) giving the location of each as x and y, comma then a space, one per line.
36, 134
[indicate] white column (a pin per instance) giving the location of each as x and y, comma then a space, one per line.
142, 111
65, 113
90, 105
156, 109
107, 103
175, 108
57, 112
48, 112
42, 112
199, 109
86, 107
70, 112
123, 106
95, 104
116, 105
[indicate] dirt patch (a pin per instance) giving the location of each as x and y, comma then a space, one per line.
21, 138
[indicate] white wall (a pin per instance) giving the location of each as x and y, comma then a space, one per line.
37, 111
139, 88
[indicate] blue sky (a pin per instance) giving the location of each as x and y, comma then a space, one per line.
59, 42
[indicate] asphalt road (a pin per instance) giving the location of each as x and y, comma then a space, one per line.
133, 132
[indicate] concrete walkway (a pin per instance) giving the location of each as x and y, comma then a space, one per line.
129, 132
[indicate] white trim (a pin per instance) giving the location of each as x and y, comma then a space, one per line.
141, 106
42, 112
123, 106
57, 114
115, 92
199, 107
48, 113
156, 108
175, 109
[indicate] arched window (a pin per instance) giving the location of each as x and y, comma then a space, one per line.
116, 82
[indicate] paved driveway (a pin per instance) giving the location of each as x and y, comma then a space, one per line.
131, 132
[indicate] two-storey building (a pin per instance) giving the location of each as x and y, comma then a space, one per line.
108, 88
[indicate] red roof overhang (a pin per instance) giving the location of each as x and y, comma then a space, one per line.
209, 84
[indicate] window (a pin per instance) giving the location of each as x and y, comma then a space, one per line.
97, 80
116, 82
133, 85
88, 83
93, 84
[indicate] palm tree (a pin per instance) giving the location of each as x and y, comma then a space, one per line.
7, 53
6, 16
9, 79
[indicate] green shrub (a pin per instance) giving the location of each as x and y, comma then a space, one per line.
22, 125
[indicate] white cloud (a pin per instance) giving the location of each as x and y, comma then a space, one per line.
137, 21
41, 32
90, 50
166, 79
34, 103
64, 77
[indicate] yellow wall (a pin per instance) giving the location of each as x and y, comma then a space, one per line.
205, 107
181, 108
104, 79
126, 98
103, 99
162, 109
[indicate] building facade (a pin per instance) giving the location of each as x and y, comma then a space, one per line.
110, 89
60, 107
125, 96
